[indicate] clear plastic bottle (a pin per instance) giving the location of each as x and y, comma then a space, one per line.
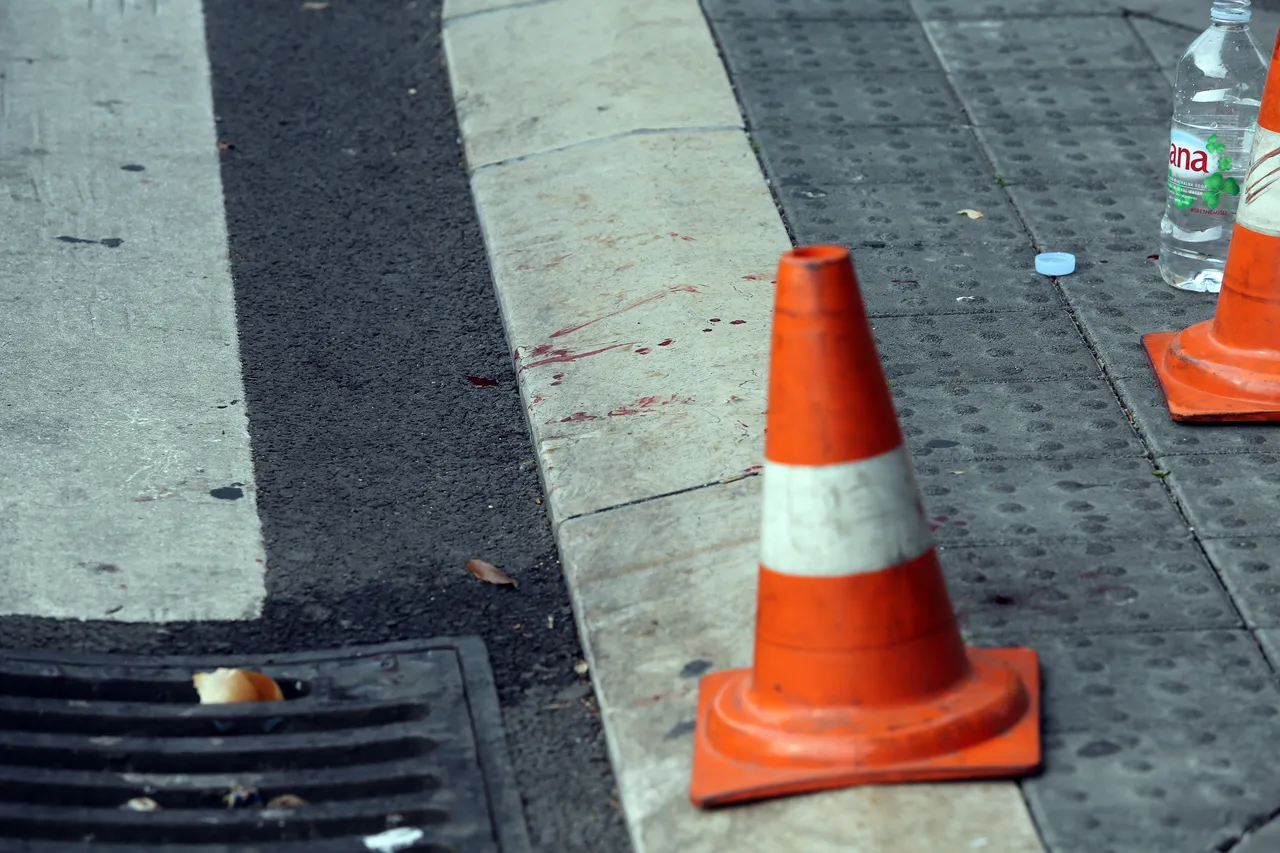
1215, 111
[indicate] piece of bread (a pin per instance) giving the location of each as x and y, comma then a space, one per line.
235, 685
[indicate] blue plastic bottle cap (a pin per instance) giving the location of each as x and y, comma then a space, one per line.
1056, 263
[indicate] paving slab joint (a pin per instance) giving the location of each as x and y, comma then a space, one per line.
1251, 829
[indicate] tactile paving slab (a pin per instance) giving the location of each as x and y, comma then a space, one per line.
1033, 500
396, 747
1164, 436
944, 10
1115, 331
1019, 44
883, 158
809, 10
841, 104
1250, 568
1153, 740
1168, 42
751, 46
1227, 495
1105, 278
1269, 639
1171, 790
1062, 218
1108, 160
1074, 99
1019, 590
916, 214
1021, 345
1070, 418
950, 279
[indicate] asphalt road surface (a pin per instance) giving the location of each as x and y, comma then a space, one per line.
388, 441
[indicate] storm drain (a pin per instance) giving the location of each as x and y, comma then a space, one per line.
388, 748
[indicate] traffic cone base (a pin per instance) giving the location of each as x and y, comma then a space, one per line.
1228, 369
986, 726
1193, 371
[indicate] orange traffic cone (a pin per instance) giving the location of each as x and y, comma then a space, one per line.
860, 672
1228, 368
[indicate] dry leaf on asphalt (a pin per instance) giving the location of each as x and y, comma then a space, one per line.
581, 667
490, 573
315, 7
972, 214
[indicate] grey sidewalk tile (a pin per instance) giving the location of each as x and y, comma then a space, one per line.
809, 10
979, 348
1250, 568
1269, 639
1109, 278
945, 10
1126, 160
904, 215
1033, 500
1067, 219
752, 46
1073, 418
1021, 44
1072, 98
1115, 332
1263, 839
841, 104
1148, 681
1224, 495
946, 279
1153, 741
1190, 788
1014, 591
1165, 436
884, 158
1167, 42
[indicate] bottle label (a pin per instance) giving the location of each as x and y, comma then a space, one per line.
1260, 201
1203, 172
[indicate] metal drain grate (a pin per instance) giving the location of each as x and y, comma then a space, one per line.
393, 748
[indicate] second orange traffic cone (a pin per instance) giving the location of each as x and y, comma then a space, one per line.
1228, 368
860, 673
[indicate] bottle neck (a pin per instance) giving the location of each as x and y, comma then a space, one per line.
1231, 12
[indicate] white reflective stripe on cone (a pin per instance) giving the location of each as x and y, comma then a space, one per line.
1259, 209
842, 519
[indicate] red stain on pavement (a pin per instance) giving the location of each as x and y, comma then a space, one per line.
563, 355
715, 319
736, 322
557, 377
578, 416
754, 469
537, 398
649, 404
681, 236
755, 277
668, 342
481, 381
643, 351
644, 300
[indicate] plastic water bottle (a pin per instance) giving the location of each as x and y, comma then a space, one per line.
1215, 112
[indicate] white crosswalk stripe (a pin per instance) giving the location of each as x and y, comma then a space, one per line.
126, 482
